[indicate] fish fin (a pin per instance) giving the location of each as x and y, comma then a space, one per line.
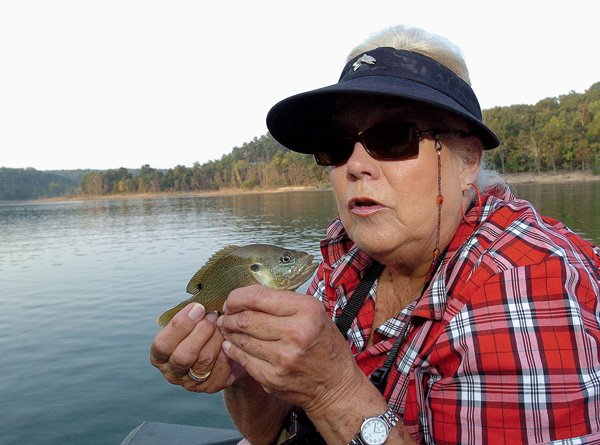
195, 284
166, 317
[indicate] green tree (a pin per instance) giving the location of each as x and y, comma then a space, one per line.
149, 180
95, 183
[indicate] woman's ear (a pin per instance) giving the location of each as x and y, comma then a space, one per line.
471, 161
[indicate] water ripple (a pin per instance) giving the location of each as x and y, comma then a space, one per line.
82, 285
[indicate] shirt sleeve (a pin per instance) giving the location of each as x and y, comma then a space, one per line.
519, 362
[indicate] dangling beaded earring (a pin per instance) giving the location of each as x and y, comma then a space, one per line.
439, 202
479, 206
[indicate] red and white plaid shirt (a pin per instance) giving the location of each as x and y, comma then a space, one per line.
503, 345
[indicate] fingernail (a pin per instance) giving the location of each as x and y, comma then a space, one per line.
196, 312
226, 345
212, 316
220, 321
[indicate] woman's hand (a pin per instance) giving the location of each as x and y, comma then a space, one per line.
287, 343
191, 341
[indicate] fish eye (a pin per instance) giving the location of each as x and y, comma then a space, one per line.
254, 268
285, 258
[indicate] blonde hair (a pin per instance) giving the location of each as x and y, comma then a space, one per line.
420, 41
448, 54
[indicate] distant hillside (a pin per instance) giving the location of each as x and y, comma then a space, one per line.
73, 175
261, 163
79, 174
556, 134
29, 183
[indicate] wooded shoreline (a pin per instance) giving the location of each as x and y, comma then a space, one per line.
511, 179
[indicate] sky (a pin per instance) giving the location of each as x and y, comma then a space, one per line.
121, 83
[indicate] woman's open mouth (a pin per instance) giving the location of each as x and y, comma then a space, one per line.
364, 206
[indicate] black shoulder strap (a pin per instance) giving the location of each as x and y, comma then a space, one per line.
380, 375
353, 305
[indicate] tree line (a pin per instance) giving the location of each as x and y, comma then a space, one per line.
29, 183
557, 133
261, 163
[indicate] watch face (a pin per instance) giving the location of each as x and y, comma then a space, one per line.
374, 431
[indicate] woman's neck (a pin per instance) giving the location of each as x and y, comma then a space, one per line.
395, 291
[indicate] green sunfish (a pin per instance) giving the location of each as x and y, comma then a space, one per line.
235, 266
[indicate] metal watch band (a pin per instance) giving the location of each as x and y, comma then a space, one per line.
389, 417
356, 440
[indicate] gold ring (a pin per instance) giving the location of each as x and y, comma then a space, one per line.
199, 377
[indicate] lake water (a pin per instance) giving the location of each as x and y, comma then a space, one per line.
82, 284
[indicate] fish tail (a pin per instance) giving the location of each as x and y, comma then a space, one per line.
166, 317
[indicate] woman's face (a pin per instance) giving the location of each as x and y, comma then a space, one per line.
389, 208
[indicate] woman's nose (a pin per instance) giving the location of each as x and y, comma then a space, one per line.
360, 162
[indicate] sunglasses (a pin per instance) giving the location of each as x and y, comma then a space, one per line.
385, 141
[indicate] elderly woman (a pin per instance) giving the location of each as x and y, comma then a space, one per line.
447, 311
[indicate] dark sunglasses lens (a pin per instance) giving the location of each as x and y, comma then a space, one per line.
391, 140
333, 150
328, 158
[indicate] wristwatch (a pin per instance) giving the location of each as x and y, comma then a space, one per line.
375, 430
